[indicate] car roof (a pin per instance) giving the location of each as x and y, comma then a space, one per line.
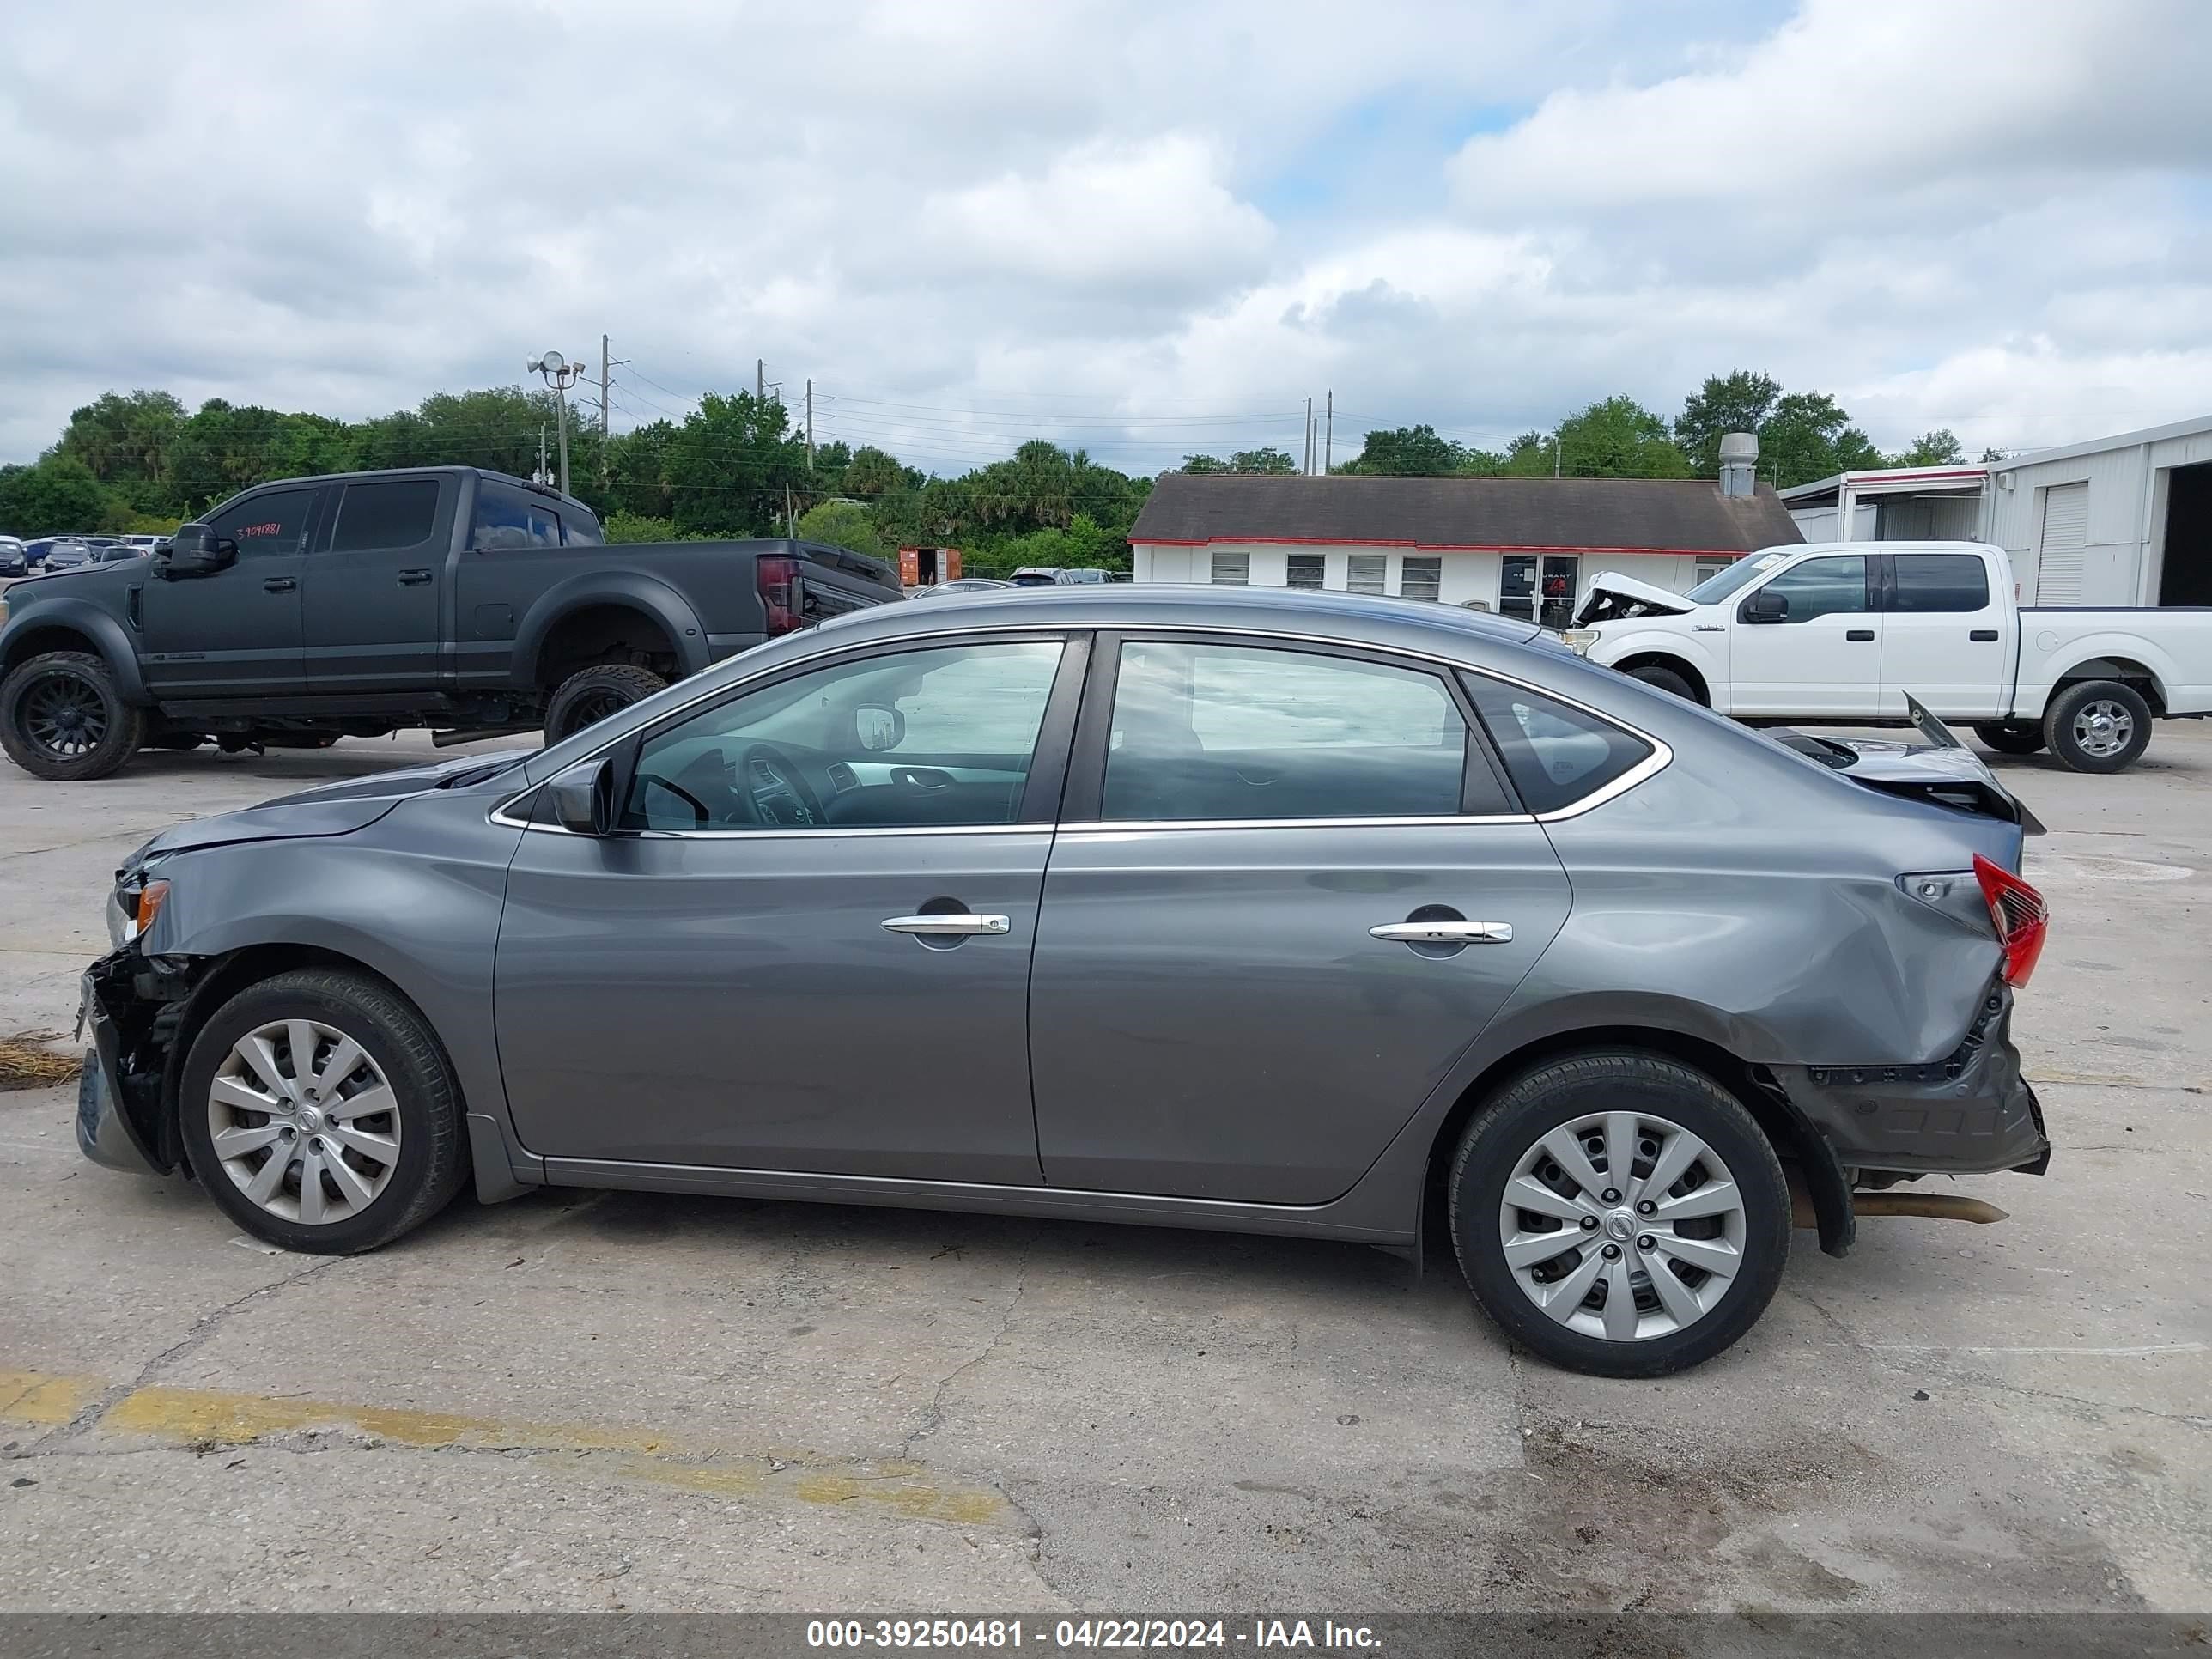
1413, 624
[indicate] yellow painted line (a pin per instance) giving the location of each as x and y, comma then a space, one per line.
892, 1486
40, 1400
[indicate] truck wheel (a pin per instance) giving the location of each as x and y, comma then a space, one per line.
62, 718
2012, 739
1666, 680
2097, 726
590, 695
1619, 1213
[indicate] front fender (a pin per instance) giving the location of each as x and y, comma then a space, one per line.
631, 590
1643, 642
80, 616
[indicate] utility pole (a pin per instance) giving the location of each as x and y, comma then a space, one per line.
1328, 437
810, 423
539, 477
1310, 443
560, 374
760, 380
606, 377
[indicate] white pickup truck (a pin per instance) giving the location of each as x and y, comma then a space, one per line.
1839, 632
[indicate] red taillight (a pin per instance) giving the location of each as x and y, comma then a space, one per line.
776, 575
2021, 918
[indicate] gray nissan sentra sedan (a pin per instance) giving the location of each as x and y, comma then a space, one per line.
1269, 911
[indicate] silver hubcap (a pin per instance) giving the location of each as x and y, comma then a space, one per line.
304, 1121
1623, 1226
2103, 728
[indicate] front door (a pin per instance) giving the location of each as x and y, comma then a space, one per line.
808, 949
1212, 1013
1822, 657
1946, 638
374, 593
235, 633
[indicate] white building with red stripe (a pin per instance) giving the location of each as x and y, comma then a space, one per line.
1521, 546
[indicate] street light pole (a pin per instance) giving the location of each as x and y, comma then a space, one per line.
559, 374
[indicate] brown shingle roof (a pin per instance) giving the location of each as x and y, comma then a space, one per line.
1594, 515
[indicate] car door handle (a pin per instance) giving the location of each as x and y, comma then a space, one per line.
413, 578
1444, 932
1862, 636
1983, 635
278, 585
942, 926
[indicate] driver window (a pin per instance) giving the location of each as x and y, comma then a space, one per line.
275, 521
1824, 588
916, 739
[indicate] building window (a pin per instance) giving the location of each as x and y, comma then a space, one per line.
1232, 569
1708, 568
1365, 572
1516, 587
1307, 570
1562, 576
1421, 579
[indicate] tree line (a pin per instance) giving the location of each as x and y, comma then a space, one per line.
737, 466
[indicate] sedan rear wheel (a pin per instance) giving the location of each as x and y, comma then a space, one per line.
320, 1113
1620, 1213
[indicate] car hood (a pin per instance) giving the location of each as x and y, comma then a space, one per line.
1612, 595
116, 575
331, 809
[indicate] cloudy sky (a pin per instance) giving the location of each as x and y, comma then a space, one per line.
1146, 228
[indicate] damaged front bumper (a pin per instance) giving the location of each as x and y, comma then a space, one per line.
129, 1006
1971, 1113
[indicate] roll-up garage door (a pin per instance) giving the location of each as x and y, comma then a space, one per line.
2065, 541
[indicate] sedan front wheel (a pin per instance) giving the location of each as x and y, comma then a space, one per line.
1620, 1213
319, 1112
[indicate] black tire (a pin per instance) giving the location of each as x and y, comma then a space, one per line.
433, 1155
62, 718
2081, 701
590, 695
1556, 1093
2012, 739
1666, 680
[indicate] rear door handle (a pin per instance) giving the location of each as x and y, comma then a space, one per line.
278, 585
413, 578
1441, 933
1984, 636
942, 926
1861, 635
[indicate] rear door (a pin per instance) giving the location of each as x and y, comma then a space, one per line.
374, 594
1823, 656
1212, 1012
1946, 636
236, 632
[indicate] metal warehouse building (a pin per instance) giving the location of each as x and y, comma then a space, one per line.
1521, 546
2121, 521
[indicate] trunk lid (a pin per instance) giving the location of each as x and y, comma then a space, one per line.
1942, 771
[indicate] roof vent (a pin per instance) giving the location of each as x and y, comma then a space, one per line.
1739, 462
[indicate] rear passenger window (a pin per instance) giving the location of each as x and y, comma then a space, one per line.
1221, 732
1941, 581
507, 517
1555, 754
395, 512
582, 530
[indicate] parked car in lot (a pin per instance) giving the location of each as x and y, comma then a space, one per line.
1285, 914
15, 561
67, 553
958, 585
1044, 575
318, 608
1838, 633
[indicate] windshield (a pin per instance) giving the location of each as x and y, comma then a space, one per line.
1720, 584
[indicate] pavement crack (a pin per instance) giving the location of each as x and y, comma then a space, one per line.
933, 1414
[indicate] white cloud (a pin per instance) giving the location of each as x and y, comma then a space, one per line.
1146, 218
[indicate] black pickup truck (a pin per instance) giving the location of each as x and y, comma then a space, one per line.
313, 608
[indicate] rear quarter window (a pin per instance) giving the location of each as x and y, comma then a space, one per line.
1555, 753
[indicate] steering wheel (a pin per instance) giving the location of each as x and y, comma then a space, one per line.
778, 792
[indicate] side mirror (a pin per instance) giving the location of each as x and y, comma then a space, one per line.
878, 726
196, 551
1765, 606
583, 798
